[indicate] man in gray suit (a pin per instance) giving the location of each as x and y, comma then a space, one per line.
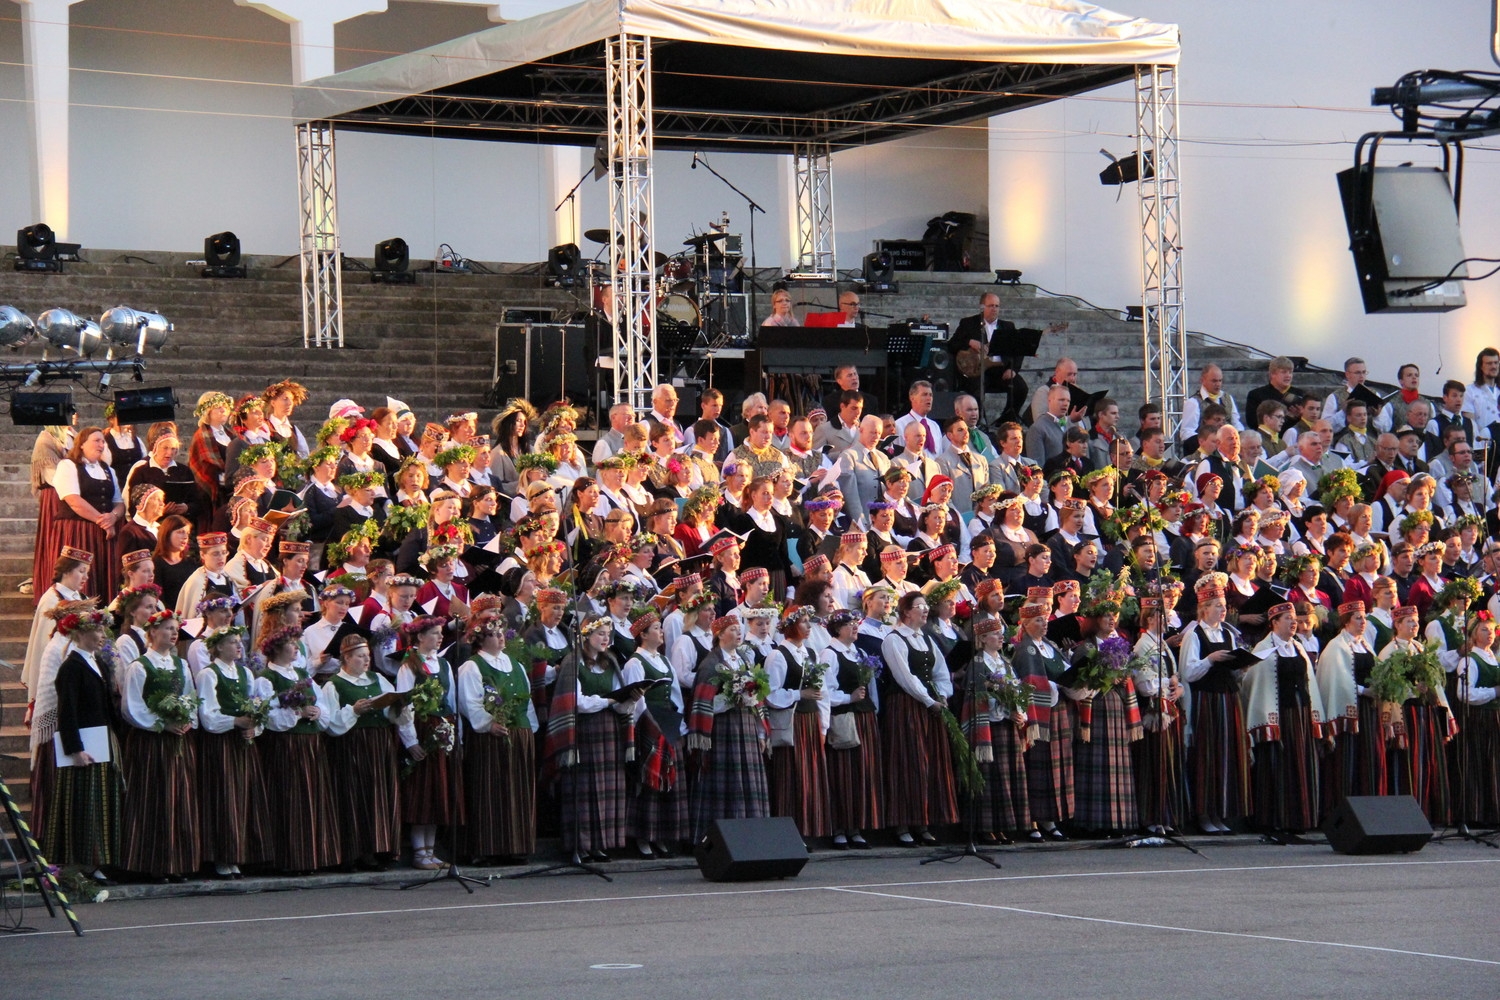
842, 428
1045, 439
860, 469
1005, 468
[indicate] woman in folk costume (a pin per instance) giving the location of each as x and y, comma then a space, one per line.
1218, 747
132, 608
855, 775
1356, 766
208, 448
83, 816
159, 758
697, 640
1284, 717
43, 711
1109, 721
546, 629
303, 818
494, 694
999, 735
1160, 769
657, 816
1478, 685
798, 703
586, 745
70, 576
1421, 724
249, 567
1450, 616
728, 734
231, 777
84, 509
362, 759
920, 790
1049, 755
432, 792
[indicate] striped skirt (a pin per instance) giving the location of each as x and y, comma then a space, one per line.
1426, 760
731, 776
232, 800
592, 794
43, 784
919, 783
304, 821
160, 811
83, 816
799, 778
1004, 800
855, 779
1049, 769
366, 792
500, 794
1480, 745
660, 817
1219, 757
1160, 788
1103, 769
432, 789
1286, 775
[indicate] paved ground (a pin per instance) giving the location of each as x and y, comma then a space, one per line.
1241, 921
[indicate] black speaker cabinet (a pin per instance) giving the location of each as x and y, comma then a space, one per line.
544, 362
1378, 824
749, 850
1403, 232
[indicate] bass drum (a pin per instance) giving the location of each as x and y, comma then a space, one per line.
679, 310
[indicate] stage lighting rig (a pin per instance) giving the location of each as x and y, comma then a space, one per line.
221, 251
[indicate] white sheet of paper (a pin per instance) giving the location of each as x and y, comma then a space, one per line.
430, 605
95, 744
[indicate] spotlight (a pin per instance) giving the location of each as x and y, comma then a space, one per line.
146, 406
16, 328
880, 272
392, 263
563, 263
42, 409
1126, 170
222, 253
68, 332
37, 249
1004, 276
127, 327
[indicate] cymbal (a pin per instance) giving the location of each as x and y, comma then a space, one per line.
698, 241
596, 235
659, 259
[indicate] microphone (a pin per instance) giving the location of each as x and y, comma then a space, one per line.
695, 160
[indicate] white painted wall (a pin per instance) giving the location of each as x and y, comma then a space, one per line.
1274, 94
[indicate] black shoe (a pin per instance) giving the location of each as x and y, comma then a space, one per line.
927, 838
1057, 834
661, 850
176, 879
988, 838
598, 856
840, 843
1035, 836
859, 843
1003, 838
645, 851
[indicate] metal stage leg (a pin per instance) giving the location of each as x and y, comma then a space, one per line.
1163, 332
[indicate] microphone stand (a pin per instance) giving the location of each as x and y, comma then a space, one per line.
754, 207
971, 807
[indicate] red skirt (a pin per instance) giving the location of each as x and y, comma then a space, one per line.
232, 803
500, 794
304, 823
432, 791
855, 779
919, 785
160, 807
1049, 769
799, 778
57, 526
366, 793
1004, 802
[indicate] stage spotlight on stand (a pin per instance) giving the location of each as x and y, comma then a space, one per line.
37, 249
563, 264
392, 263
1006, 276
16, 328
1126, 170
69, 332
123, 326
42, 409
221, 251
146, 406
880, 272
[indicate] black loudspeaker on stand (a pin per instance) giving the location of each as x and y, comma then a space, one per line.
749, 850
1377, 824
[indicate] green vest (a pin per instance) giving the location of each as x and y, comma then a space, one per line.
444, 675
159, 680
234, 695
280, 684
1489, 676
1383, 634
513, 685
599, 684
659, 696
350, 692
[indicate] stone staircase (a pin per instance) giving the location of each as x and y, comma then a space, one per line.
429, 344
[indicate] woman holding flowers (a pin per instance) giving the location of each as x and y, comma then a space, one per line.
159, 758
798, 703
1478, 685
432, 791
494, 693
362, 758
919, 781
1049, 758
657, 816
1218, 751
233, 706
728, 734
855, 777
1003, 708
1356, 766
1160, 789
1414, 707
304, 823
1284, 717
1109, 721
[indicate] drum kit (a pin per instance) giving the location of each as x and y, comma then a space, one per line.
693, 287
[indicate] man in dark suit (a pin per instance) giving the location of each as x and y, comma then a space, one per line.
994, 339
1278, 387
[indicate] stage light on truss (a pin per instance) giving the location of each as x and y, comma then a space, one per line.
221, 251
42, 409
1124, 171
880, 272
123, 326
37, 249
68, 331
563, 264
16, 328
392, 263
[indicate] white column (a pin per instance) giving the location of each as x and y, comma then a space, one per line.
560, 169
312, 24
44, 32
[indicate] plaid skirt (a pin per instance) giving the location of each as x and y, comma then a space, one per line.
232, 801
1004, 800
855, 779
660, 817
1219, 757
1479, 743
919, 783
591, 794
1426, 760
160, 808
500, 794
83, 817
366, 791
1160, 789
304, 822
43, 785
1049, 769
1104, 773
731, 776
799, 778
432, 790
1286, 775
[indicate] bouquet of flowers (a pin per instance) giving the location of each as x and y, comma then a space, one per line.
427, 699
1007, 692
505, 712
1106, 664
963, 611
744, 687
438, 736
174, 709
1402, 674
259, 709
812, 675
870, 668
298, 696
